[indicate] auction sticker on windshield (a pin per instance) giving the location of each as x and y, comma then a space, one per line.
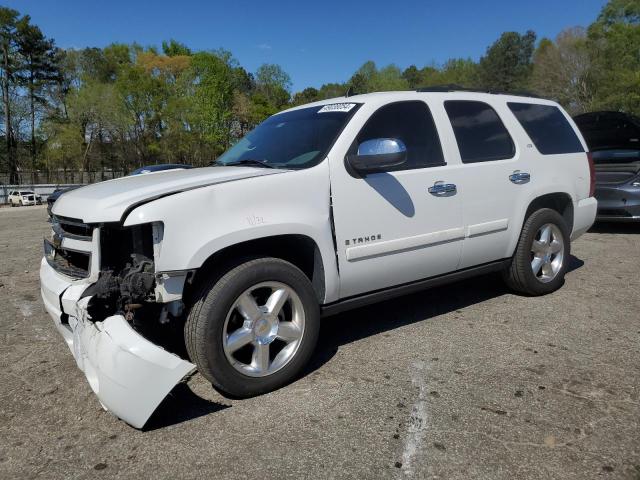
337, 107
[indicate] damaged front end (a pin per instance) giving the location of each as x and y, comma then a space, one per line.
120, 318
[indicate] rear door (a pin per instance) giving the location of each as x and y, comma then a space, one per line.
497, 178
389, 228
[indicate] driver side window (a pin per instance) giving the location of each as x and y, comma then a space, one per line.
412, 123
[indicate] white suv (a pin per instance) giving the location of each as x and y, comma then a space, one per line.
20, 198
322, 208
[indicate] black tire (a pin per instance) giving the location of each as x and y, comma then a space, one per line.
204, 328
519, 275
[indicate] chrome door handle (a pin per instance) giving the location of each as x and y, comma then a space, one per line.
441, 189
519, 177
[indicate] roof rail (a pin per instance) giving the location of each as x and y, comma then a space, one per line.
458, 88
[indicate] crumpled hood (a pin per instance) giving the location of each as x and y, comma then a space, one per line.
108, 201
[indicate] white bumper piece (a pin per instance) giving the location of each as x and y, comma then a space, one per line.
129, 374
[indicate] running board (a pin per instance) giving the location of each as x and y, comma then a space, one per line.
412, 287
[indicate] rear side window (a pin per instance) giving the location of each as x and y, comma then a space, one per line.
480, 134
547, 127
412, 123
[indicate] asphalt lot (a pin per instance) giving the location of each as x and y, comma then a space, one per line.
464, 381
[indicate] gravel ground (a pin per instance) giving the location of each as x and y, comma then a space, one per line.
464, 381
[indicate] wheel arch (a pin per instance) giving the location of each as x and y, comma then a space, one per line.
298, 249
559, 201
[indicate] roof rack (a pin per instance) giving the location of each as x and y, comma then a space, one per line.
458, 88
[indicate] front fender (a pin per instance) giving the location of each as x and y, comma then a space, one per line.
201, 222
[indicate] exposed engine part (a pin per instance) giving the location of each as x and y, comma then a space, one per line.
125, 291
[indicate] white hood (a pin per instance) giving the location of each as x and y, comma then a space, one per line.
108, 201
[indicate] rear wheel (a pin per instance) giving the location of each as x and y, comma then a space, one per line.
254, 328
542, 255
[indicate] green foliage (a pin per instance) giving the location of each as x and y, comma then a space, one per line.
173, 48
507, 65
614, 45
274, 83
562, 70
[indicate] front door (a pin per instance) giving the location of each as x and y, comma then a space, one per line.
402, 224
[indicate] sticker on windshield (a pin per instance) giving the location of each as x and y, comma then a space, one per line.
337, 107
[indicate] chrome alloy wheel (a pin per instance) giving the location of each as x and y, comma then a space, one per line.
547, 253
263, 329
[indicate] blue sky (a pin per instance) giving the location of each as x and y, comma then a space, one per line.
315, 42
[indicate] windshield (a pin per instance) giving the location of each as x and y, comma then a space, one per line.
26, 193
292, 140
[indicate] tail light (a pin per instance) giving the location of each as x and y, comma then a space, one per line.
592, 175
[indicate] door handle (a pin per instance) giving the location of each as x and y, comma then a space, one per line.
519, 177
441, 189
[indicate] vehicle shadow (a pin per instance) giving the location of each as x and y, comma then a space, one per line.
386, 316
616, 228
180, 406
393, 192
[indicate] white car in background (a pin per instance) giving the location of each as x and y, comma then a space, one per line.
20, 198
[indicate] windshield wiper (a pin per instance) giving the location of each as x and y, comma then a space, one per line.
249, 162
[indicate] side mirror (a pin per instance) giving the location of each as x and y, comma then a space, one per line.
378, 155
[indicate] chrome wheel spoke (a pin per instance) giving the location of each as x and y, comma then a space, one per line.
556, 246
239, 339
545, 235
289, 331
547, 270
260, 358
536, 265
248, 307
538, 247
277, 300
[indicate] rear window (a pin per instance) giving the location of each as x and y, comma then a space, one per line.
547, 127
480, 134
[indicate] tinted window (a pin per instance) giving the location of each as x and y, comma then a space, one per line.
547, 127
412, 123
480, 133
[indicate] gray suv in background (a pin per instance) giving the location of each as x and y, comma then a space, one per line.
614, 141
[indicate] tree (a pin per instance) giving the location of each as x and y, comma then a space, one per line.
460, 71
9, 63
173, 48
614, 42
412, 76
212, 101
369, 79
507, 64
274, 83
561, 70
38, 56
308, 95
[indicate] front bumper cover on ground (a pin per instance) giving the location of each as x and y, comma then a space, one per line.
129, 374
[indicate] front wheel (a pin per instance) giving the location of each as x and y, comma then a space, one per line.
542, 255
252, 330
